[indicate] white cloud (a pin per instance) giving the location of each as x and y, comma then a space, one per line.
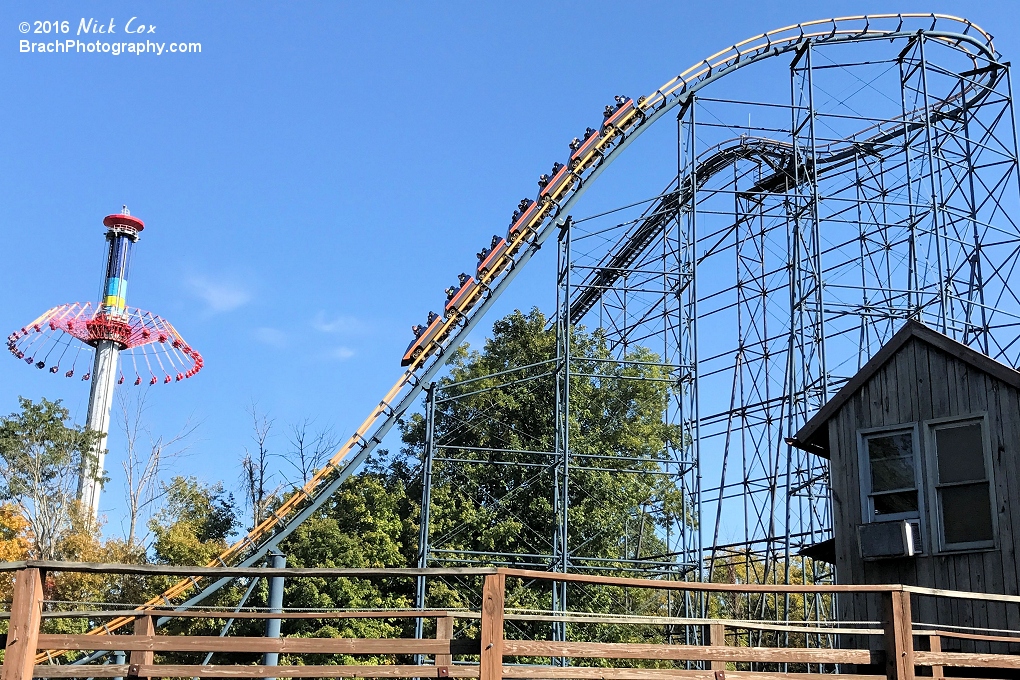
271, 336
340, 353
341, 325
219, 296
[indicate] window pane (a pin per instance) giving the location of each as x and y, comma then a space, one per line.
894, 503
890, 446
966, 513
892, 473
892, 461
960, 454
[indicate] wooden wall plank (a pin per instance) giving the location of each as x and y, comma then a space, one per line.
845, 490
871, 416
945, 576
938, 377
916, 385
904, 408
925, 411
1006, 456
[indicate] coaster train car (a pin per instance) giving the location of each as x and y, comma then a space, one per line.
585, 152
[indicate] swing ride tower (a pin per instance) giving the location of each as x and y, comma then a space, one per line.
66, 333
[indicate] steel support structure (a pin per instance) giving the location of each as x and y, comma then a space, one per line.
561, 561
276, 561
797, 234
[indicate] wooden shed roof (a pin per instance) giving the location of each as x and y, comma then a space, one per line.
812, 437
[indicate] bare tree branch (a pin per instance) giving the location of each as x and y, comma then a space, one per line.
145, 462
256, 477
309, 449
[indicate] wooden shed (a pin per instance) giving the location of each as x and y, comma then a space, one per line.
924, 462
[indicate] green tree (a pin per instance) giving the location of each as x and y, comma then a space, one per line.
615, 418
368, 523
619, 503
618, 434
194, 522
41, 456
192, 525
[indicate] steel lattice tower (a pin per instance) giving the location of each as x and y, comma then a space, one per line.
876, 184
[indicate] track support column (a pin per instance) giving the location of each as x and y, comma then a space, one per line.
277, 561
426, 504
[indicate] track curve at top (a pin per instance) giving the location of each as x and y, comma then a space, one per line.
540, 220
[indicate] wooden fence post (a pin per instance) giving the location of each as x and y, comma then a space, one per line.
717, 638
493, 601
935, 645
899, 636
444, 631
23, 632
143, 626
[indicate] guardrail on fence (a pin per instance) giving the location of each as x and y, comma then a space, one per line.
489, 654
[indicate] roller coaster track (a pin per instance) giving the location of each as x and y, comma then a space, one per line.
777, 155
303, 502
616, 263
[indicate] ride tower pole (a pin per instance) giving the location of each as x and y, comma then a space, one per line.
109, 332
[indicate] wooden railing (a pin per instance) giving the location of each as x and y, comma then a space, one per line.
491, 655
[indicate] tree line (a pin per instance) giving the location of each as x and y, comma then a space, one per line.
479, 505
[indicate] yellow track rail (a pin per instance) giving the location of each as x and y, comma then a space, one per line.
824, 29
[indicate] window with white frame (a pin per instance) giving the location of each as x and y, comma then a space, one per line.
890, 475
959, 469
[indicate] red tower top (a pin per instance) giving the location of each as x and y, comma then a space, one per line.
124, 219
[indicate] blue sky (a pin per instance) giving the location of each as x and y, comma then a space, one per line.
316, 176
